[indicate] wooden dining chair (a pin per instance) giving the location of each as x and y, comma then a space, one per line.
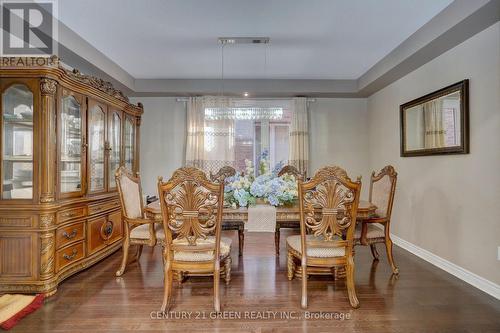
290, 170
139, 230
328, 205
220, 176
223, 173
191, 207
377, 229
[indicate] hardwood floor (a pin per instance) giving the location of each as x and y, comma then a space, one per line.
423, 299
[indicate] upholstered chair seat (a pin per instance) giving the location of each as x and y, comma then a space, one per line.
315, 251
143, 232
225, 249
375, 230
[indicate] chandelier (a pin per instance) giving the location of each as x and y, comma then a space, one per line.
244, 113
224, 111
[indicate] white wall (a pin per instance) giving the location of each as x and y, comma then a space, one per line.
448, 205
339, 135
163, 139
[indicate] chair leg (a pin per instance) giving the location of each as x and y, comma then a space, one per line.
373, 248
180, 276
227, 270
241, 237
388, 247
167, 287
125, 248
139, 252
216, 286
303, 302
351, 290
290, 266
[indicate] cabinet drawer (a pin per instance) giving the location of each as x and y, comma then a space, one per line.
103, 207
70, 214
69, 255
103, 231
68, 234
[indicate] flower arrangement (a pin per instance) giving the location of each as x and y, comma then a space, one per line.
237, 188
244, 190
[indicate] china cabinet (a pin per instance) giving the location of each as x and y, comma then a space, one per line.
63, 135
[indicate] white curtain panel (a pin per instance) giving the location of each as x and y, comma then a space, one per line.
299, 135
434, 127
210, 143
195, 148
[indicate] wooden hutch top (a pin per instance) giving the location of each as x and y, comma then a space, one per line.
52, 68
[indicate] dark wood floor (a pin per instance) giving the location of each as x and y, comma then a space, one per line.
422, 299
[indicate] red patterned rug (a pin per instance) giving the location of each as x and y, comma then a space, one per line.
15, 307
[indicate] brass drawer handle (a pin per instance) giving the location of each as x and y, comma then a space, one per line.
71, 235
71, 256
107, 230
70, 214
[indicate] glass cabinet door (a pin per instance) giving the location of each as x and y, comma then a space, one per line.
72, 145
129, 143
114, 138
96, 134
17, 143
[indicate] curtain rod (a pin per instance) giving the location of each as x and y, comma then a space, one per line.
309, 100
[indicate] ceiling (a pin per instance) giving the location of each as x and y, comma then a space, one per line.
315, 39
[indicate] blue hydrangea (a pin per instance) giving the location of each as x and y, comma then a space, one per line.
242, 196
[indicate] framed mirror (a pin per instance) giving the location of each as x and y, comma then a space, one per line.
437, 123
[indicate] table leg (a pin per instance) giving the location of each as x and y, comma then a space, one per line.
241, 238
277, 240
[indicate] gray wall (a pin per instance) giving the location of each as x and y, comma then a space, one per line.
338, 132
448, 205
163, 139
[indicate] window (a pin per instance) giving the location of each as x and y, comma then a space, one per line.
249, 128
254, 136
451, 120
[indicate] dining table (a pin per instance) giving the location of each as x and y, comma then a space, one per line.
286, 217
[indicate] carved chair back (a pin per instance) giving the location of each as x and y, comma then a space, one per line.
130, 191
222, 174
291, 170
191, 207
328, 204
382, 190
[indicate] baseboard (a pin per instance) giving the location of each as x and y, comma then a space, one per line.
473, 279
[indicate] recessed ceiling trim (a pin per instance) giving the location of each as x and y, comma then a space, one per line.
463, 20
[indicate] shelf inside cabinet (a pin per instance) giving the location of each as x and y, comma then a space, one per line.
18, 158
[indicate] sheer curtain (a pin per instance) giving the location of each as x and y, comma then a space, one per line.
299, 135
195, 147
434, 127
210, 143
